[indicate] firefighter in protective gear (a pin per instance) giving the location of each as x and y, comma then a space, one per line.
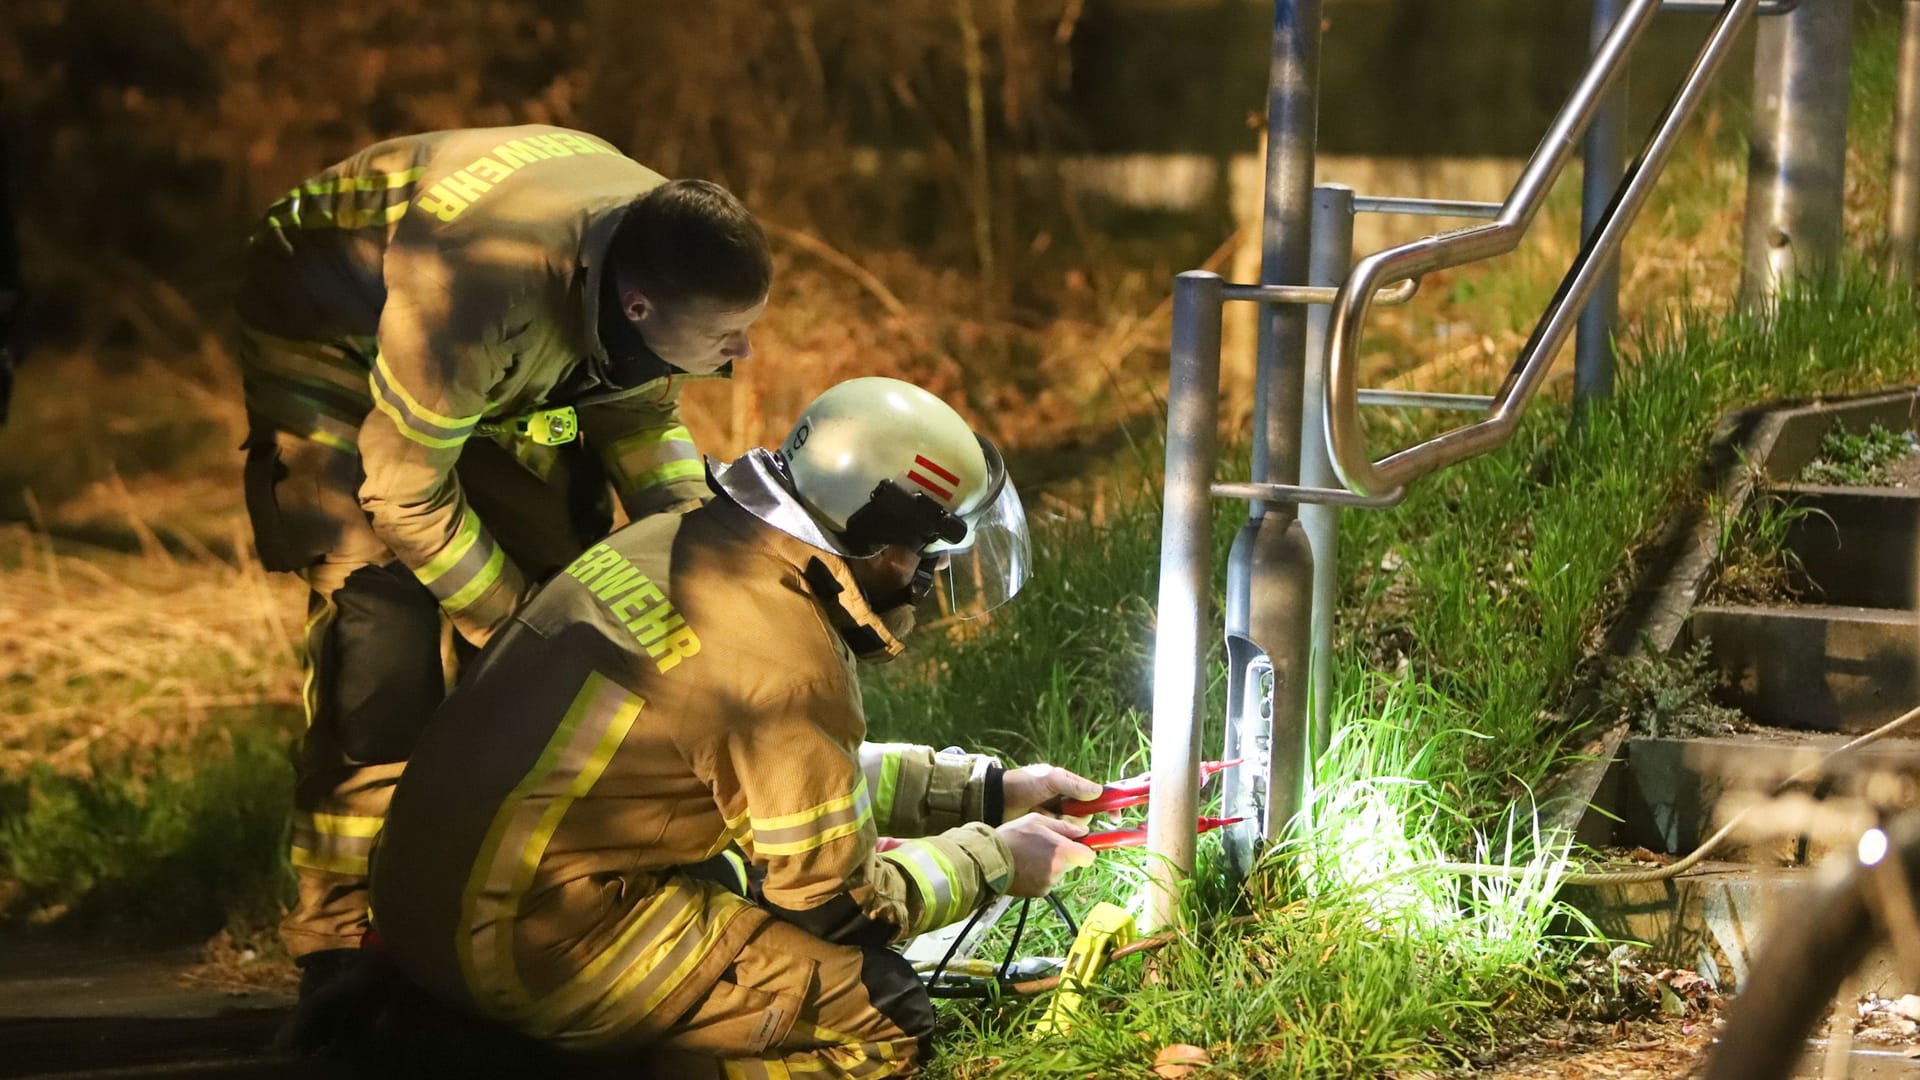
450, 343
568, 850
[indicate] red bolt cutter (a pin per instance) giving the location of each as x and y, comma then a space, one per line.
1119, 838
1132, 792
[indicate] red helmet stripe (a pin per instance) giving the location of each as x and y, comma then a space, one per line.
914, 475
921, 460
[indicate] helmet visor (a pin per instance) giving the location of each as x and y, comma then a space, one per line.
989, 567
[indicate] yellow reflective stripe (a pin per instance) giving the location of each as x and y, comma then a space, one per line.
348, 865
796, 833
329, 439
651, 950
370, 182
379, 215
401, 421
572, 761
335, 843
826, 832
801, 817
292, 209
656, 456
936, 878
669, 473
348, 825
387, 387
438, 565
322, 363
650, 437
642, 987
481, 582
317, 625
889, 782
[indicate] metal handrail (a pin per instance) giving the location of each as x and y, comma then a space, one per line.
1477, 242
1315, 294
1713, 7
1399, 204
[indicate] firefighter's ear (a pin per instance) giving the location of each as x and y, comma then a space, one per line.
635, 305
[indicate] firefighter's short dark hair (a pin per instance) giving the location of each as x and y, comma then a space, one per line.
692, 238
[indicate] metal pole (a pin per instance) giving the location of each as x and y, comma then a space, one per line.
1333, 208
1603, 159
1193, 415
1797, 160
1269, 579
1903, 211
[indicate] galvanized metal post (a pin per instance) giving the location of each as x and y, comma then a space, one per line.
1193, 415
1602, 160
1797, 160
1903, 210
1331, 259
1269, 579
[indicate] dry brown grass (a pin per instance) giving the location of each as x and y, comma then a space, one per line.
111, 656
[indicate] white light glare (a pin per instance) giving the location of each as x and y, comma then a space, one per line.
1873, 847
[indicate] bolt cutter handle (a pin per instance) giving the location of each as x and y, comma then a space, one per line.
1119, 838
1130, 792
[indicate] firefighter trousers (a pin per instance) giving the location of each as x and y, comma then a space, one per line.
794, 1006
379, 656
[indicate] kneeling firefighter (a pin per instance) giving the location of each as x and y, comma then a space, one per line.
568, 852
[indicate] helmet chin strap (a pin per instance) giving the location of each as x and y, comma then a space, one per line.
913, 592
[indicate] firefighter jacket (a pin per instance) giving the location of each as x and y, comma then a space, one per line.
680, 690
436, 286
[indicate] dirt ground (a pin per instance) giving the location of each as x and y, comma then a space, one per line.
1629, 1050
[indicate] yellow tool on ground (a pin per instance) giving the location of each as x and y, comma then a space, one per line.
1106, 928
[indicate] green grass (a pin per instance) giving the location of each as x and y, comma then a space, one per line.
183, 844
1466, 614
1505, 569
1858, 460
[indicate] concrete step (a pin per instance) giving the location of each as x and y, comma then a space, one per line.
1855, 546
1669, 795
1713, 918
1818, 668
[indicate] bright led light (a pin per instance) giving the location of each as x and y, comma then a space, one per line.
1873, 847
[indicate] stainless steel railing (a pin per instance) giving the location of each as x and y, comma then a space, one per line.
1473, 243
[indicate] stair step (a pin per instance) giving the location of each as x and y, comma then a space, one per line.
1855, 546
1713, 919
1816, 668
1671, 794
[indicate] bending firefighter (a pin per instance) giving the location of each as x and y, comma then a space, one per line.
451, 342
568, 852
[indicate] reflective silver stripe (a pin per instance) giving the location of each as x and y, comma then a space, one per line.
808, 835
933, 875
333, 843
881, 763
672, 916
415, 421
641, 987
312, 362
465, 569
650, 457
585, 740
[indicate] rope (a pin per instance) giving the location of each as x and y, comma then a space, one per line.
1699, 854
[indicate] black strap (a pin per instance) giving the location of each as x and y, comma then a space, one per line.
861, 638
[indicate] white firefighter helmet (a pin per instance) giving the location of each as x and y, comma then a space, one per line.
878, 461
